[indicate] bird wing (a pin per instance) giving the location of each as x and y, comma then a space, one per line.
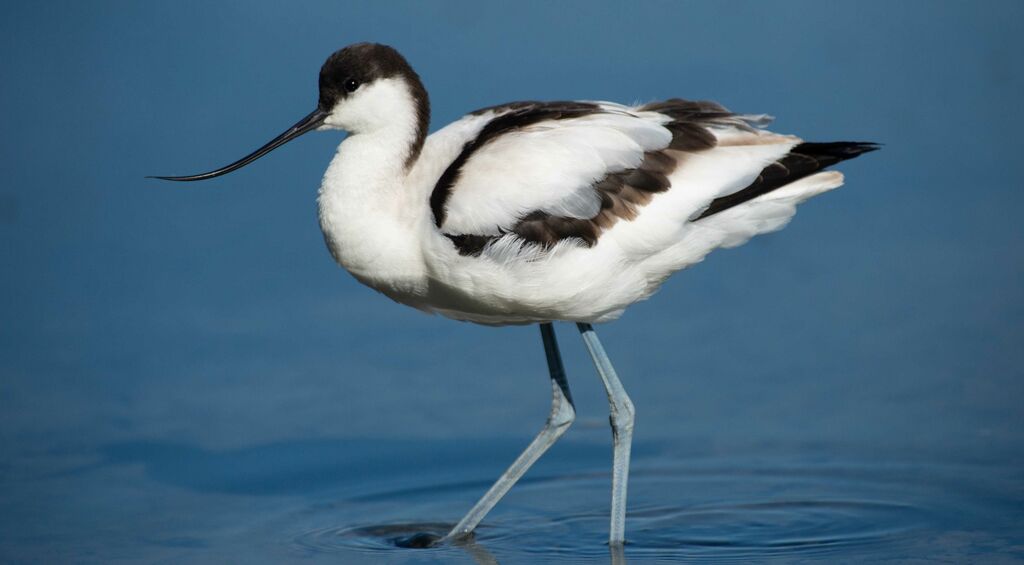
545, 172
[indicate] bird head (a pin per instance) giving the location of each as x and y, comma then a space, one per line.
363, 88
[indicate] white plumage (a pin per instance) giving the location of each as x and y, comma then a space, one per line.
550, 166
536, 212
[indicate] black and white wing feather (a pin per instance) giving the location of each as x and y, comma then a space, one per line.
546, 172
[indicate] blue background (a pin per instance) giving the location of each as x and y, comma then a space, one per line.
162, 345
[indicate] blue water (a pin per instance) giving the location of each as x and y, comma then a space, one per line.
186, 377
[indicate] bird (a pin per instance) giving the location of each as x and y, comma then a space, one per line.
537, 212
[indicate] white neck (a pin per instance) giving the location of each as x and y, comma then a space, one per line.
370, 215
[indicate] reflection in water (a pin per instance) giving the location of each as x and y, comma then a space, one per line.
712, 510
419, 536
618, 554
388, 501
355, 499
410, 536
479, 554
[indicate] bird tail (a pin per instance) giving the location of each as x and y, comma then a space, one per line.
802, 161
770, 202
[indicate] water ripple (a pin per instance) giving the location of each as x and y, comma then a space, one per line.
726, 514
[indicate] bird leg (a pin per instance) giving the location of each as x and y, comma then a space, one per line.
562, 415
621, 417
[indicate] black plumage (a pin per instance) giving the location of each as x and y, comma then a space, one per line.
803, 160
622, 193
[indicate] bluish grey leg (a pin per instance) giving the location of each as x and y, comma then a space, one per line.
562, 415
621, 409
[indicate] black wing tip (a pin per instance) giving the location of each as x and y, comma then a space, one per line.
803, 160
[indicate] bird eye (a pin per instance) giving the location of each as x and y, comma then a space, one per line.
351, 85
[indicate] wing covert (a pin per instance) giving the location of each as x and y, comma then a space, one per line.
547, 172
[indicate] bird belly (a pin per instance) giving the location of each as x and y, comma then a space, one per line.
570, 283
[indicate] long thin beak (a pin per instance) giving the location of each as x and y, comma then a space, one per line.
309, 123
